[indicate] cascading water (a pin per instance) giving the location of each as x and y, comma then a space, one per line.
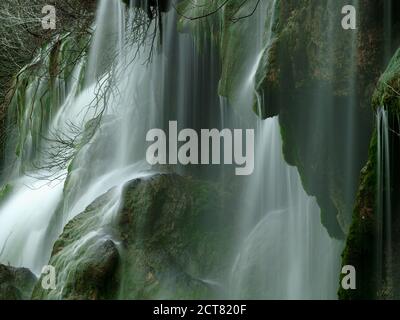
284, 252
25, 215
384, 207
281, 251
49, 206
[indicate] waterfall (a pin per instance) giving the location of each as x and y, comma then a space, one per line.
285, 252
282, 249
108, 39
42, 202
384, 207
28, 210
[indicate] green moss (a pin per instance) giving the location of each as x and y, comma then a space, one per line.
360, 244
387, 93
168, 244
85, 260
4, 192
311, 85
36, 93
232, 40
16, 283
172, 233
361, 248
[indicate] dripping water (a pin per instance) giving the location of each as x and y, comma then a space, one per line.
384, 208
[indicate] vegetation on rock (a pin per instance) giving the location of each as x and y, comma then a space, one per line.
159, 245
16, 283
362, 244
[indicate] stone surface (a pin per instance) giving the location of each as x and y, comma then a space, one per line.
16, 283
169, 237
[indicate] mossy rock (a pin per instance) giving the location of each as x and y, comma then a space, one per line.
387, 93
360, 245
85, 258
5, 192
315, 85
16, 283
169, 237
174, 237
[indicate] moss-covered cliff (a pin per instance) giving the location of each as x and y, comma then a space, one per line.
320, 83
169, 250
318, 78
377, 268
360, 244
21, 44
387, 93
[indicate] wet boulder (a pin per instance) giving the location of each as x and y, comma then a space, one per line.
16, 283
170, 239
174, 238
85, 258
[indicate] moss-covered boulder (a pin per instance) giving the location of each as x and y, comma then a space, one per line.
5, 192
168, 237
174, 238
94, 276
16, 283
85, 257
387, 93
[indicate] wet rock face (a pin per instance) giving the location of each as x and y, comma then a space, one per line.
319, 79
94, 277
362, 247
388, 88
168, 237
321, 76
16, 283
168, 246
85, 258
